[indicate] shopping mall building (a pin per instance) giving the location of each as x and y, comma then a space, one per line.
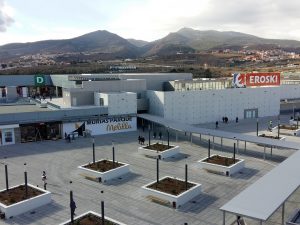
46, 107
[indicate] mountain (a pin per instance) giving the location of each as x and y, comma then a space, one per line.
100, 41
204, 40
211, 39
137, 43
105, 45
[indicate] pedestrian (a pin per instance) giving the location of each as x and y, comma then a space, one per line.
142, 140
139, 138
66, 135
44, 179
217, 124
223, 119
236, 119
73, 207
160, 135
154, 135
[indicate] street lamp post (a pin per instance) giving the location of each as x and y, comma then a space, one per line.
113, 153
234, 152
93, 150
26, 184
168, 136
186, 176
102, 212
278, 126
257, 127
149, 129
157, 170
72, 205
209, 148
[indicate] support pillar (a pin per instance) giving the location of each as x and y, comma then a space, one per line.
282, 218
221, 143
245, 146
271, 151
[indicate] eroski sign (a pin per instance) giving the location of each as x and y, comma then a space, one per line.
256, 79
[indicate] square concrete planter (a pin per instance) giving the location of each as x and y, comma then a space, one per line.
115, 222
105, 176
174, 200
26, 205
226, 170
159, 154
295, 132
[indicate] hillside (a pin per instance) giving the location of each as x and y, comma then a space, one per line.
104, 45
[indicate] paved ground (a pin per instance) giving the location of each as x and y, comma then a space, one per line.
123, 199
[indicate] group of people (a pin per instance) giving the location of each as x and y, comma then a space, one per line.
225, 119
141, 140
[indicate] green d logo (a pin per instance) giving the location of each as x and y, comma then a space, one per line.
39, 80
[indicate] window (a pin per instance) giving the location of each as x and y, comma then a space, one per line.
101, 101
8, 136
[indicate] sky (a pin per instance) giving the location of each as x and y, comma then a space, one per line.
33, 20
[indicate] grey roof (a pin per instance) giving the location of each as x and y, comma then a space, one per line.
218, 133
265, 196
21, 80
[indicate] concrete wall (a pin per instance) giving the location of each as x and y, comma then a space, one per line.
115, 86
155, 81
156, 102
289, 91
120, 103
194, 107
77, 97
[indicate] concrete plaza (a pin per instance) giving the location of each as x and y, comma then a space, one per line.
122, 196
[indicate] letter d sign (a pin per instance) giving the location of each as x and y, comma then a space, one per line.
39, 80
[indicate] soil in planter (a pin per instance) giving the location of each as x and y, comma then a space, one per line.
288, 127
269, 136
220, 160
171, 186
103, 166
158, 147
91, 219
17, 194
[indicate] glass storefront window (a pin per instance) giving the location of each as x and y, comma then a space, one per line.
8, 137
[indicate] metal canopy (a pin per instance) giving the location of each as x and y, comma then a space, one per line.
265, 196
218, 133
261, 199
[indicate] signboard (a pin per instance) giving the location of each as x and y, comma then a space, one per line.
39, 80
256, 79
102, 126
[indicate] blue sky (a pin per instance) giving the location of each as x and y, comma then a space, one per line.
32, 20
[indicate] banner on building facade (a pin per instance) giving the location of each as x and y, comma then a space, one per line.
255, 79
102, 126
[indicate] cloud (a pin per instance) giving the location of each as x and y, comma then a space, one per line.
266, 18
5, 16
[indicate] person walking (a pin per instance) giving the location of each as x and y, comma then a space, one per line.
160, 135
73, 207
44, 179
236, 119
217, 124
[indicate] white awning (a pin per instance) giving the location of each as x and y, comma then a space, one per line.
10, 126
218, 133
265, 196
